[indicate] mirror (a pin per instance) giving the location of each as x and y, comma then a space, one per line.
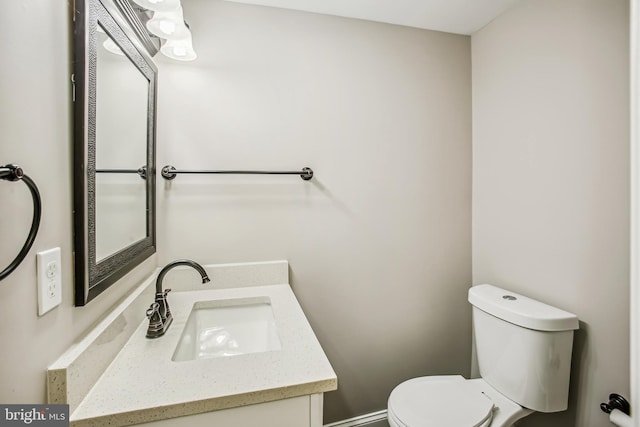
120, 202
114, 147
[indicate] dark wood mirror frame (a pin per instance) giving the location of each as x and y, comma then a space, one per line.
92, 277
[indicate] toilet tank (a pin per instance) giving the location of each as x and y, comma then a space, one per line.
523, 347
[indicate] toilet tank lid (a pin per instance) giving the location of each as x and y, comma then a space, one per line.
520, 310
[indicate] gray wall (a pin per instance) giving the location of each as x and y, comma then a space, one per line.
551, 178
379, 241
35, 126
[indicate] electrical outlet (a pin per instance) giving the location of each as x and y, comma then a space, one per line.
49, 270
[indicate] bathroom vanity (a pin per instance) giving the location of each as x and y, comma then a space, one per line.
240, 352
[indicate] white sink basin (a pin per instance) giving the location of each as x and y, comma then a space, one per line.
222, 328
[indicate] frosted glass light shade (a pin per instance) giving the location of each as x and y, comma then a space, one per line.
168, 25
181, 50
159, 5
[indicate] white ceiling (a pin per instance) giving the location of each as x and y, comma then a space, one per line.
452, 16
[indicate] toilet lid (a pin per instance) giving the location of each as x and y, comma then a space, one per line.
423, 402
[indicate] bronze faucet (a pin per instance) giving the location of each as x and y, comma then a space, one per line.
159, 314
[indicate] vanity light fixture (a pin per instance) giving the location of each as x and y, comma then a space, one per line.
167, 23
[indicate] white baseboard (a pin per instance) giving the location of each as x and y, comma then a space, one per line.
374, 419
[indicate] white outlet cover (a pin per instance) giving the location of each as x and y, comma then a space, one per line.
49, 272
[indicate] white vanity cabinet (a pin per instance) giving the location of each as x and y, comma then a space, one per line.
302, 411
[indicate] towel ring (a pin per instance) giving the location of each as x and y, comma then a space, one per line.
14, 173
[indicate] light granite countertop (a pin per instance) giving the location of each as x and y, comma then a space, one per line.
143, 384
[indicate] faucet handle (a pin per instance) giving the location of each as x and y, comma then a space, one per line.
158, 323
153, 309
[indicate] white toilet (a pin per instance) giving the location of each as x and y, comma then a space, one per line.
524, 356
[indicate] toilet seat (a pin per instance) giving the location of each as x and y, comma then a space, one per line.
439, 401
